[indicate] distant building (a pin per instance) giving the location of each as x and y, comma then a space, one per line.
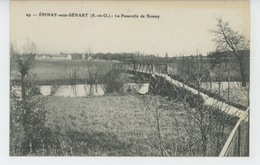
54, 57
61, 57
191, 57
89, 58
43, 57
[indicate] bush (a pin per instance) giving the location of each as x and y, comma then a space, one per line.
194, 100
114, 81
158, 86
27, 110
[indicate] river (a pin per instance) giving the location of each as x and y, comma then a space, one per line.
82, 90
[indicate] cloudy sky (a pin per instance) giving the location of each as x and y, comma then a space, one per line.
182, 29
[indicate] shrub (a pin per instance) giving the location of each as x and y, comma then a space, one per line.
27, 110
114, 81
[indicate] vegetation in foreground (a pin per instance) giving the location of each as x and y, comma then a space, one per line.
123, 125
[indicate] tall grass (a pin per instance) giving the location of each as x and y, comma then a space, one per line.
117, 125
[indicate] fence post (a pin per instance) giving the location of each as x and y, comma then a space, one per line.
219, 86
210, 84
247, 135
228, 88
238, 140
234, 140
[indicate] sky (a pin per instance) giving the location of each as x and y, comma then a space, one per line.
183, 28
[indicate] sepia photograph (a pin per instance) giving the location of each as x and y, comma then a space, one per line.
129, 78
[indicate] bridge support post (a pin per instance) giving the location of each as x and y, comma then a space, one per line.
238, 140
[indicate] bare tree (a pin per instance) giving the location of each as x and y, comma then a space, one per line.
227, 39
185, 69
156, 105
70, 74
193, 70
206, 125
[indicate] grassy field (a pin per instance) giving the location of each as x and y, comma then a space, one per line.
114, 125
55, 70
110, 125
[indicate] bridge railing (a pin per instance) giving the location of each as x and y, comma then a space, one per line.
237, 143
145, 68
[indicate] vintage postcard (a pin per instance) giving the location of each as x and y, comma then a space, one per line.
129, 78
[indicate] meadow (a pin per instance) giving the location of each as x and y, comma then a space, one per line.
51, 71
119, 125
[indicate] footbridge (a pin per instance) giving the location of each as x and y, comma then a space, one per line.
162, 70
